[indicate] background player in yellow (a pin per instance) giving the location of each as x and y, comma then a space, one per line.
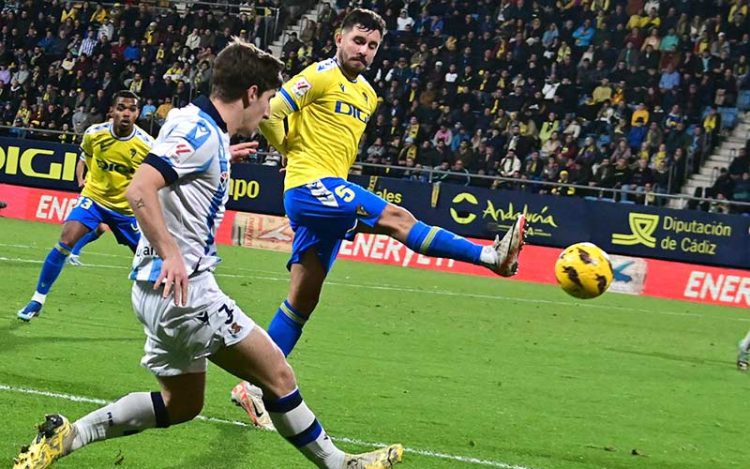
327, 107
112, 150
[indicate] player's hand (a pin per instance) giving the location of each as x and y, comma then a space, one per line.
241, 151
81, 183
174, 276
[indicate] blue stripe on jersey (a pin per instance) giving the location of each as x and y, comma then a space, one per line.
155, 269
133, 274
288, 99
218, 197
204, 167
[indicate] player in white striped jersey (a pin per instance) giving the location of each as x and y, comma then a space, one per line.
178, 197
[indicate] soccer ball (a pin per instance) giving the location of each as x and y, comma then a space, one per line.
584, 270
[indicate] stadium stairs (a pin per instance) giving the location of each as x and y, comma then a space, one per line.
296, 27
736, 124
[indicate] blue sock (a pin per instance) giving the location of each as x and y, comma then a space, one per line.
286, 327
437, 242
52, 267
87, 238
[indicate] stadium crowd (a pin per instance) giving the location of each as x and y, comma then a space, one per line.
621, 94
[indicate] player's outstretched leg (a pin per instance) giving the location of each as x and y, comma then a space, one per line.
378, 459
57, 437
89, 237
250, 398
743, 353
53, 440
51, 269
258, 359
72, 232
501, 257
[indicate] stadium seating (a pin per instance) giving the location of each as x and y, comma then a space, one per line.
484, 77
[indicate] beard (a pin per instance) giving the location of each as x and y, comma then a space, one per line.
351, 67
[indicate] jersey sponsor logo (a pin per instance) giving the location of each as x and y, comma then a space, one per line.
352, 110
118, 168
180, 151
301, 87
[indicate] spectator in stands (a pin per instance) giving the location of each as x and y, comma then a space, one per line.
641, 176
459, 174
533, 168
509, 164
723, 185
739, 165
637, 134
621, 177
563, 188
292, 44
88, 44
741, 191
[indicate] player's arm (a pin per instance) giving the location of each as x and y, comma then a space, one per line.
84, 158
142, 194
187, 149
81, 171
293, 96
273, 127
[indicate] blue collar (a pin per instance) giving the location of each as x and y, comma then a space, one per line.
205, 105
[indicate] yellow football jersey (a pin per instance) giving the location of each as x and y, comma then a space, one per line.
111, 162
327, 114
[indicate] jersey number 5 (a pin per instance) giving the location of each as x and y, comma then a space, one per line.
346, 194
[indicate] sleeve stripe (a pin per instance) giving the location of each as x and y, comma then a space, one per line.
161, 165
288, 99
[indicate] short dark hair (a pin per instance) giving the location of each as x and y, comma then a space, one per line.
126, 94
366, 19
241, 65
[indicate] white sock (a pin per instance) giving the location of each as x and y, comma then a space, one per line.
40, 297
296, 422
488, 255
745, 343
128, 415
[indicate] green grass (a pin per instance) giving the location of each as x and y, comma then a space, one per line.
506, 372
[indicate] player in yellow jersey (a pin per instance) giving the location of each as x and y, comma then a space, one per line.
327, 107
112, 150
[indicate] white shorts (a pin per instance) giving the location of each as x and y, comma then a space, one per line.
180, 339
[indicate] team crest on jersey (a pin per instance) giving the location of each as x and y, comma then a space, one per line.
301, 87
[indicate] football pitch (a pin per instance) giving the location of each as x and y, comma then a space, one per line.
466, 372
